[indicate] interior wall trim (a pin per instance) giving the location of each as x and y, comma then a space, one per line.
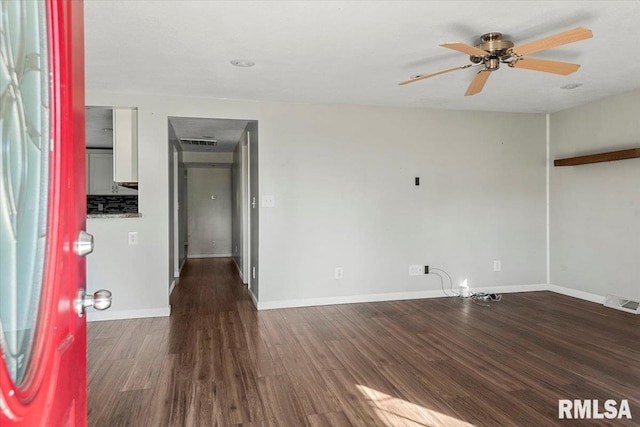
239, 270
210, 256
174, 282
548, 196
600, 299
396, 296
253, 299
94, 316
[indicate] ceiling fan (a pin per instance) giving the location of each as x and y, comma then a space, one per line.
493, 50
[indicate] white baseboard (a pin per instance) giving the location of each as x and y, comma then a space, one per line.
577, 294
239, 270
253, 299
209, 256
174, 283
348, 299
96, 316
511, 289
397, 296
176, 273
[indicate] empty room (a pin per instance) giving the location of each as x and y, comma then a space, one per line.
333, 213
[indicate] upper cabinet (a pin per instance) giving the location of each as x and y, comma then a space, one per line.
125, 145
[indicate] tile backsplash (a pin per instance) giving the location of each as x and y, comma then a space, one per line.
112, 204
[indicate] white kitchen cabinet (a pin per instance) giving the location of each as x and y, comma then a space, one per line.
125, 144
100, 174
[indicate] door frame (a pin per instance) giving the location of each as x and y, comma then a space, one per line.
254, 211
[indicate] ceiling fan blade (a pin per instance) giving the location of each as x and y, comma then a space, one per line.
547, 66
465, 48
478, 82
570, 36
426, 76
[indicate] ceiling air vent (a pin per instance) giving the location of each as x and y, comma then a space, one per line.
199, 142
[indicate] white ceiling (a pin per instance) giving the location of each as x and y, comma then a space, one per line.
355, 52
99, 127
226, 132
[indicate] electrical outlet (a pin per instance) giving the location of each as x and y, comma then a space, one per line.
213, 242
497, 265
100, 207
268, 201
338, 273
133, 237
416, 270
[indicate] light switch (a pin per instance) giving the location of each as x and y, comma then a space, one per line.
268, 201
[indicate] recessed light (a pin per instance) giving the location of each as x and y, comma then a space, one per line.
571, 86
245, 63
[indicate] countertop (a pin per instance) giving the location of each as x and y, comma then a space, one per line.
114, 215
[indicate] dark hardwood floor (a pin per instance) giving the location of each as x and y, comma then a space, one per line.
434, 362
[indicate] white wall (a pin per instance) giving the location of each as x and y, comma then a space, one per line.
342, 177
205, 157
209, 217
136, 274
595, 209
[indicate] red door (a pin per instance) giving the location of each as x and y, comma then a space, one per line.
42, 213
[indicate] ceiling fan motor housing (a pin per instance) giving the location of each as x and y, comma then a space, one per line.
497, 49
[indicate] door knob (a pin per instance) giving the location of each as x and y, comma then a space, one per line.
84, 245
100, 300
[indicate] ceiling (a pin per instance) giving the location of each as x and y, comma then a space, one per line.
226, 132
355, 52
99, 127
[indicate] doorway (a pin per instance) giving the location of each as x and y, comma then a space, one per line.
214, 212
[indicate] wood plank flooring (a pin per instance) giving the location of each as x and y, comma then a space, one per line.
216, 361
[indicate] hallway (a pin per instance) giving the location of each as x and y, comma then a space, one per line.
444, 361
